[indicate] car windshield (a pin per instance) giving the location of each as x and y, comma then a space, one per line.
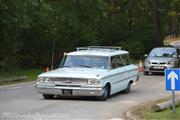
163, 52
86, 61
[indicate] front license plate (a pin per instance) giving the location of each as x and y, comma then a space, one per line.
158, 67
67, 92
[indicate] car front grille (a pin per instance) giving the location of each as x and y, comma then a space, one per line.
155, 69
69, 81
68, 85
161, 63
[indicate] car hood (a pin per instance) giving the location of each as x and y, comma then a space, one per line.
160, 59
75, 73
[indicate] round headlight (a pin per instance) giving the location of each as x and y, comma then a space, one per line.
40, 79
93, 82
46, 80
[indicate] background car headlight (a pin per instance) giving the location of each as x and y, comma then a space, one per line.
93, 82
171, 63
147, 61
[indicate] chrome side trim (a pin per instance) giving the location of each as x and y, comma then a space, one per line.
124, 79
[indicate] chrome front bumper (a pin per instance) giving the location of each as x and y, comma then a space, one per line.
76, 91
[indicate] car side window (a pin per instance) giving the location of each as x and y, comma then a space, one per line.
116, 62
126, 59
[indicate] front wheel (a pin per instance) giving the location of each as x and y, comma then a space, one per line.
146, 73
46, 96
105, 94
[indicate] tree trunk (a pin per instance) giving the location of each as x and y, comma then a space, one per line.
157, 23
174, 26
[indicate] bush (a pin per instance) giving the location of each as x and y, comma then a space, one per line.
135, 48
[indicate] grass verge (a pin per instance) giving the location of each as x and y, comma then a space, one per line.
145, 111
164, 115
31, 75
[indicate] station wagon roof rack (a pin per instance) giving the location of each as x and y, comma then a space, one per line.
98, 47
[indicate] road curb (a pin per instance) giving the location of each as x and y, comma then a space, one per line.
129, 115
20, 78
16, 84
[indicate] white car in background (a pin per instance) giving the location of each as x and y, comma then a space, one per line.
90, 71
161, 58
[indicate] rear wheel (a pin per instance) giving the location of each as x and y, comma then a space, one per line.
128, 89
105, 94
46, 96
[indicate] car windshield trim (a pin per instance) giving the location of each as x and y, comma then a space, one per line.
84, 65
100, 62
163, 53
67, 66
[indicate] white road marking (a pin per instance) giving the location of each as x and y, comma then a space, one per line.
116, 119
13, 88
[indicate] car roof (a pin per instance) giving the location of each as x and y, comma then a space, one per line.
101, 51
164, 48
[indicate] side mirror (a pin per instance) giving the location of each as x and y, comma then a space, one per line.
178, 56
145, 55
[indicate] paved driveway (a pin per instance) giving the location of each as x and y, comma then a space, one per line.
22, 101
176, 43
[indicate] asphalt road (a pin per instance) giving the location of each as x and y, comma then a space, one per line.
22, 102
176, 43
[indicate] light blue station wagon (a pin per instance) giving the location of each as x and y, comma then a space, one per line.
90, 71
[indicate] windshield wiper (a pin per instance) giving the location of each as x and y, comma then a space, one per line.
67, 66
88, 66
